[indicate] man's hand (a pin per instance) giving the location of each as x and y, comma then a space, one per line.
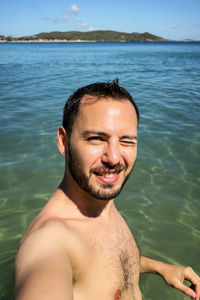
173, 275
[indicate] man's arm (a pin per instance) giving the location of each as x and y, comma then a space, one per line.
173, 275
43, 267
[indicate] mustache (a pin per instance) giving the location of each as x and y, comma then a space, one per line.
106, 168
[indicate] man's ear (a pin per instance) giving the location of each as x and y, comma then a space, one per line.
62, 141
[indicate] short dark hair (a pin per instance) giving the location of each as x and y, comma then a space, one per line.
98, 90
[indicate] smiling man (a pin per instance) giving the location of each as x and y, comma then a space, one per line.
79, 246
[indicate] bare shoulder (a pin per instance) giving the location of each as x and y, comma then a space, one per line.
46, 240
40, 245
40, 259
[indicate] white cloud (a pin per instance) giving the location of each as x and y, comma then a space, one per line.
74, 9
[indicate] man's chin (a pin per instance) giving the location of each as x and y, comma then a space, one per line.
105, 193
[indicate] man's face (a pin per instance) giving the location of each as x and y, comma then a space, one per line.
103, 147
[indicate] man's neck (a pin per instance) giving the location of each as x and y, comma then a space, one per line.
87, 205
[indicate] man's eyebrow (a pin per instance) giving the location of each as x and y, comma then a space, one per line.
129, 137
87, 133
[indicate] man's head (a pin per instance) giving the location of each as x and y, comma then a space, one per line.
99, 138
102, 90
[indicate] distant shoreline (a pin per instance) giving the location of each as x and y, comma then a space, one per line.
92, 41
88, 36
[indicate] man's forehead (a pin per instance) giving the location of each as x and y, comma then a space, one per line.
105, 104
109, 114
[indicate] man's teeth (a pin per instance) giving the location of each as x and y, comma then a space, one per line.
109, 175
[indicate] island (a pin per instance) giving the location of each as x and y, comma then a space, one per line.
88, 36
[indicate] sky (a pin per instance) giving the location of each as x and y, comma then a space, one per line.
170, 19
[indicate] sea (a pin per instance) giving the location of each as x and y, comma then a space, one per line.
161, 200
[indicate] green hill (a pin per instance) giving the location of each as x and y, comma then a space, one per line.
97, 35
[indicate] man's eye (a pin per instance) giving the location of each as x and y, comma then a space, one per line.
94, 138
128, 143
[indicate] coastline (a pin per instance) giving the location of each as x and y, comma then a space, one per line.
91, 41
88, 36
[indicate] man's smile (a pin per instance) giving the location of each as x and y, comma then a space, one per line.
108, 175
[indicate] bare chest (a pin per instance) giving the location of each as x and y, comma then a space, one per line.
109, 268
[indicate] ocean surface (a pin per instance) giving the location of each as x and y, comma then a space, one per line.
161, 201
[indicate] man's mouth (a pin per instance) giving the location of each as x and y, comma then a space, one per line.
108, 175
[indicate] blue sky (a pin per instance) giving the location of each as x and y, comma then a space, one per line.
172, 19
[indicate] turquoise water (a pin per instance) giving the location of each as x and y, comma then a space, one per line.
161, 200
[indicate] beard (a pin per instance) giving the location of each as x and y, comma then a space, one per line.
106, 191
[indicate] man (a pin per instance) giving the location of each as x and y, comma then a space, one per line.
79, 247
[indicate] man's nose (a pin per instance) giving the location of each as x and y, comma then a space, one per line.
111, 154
